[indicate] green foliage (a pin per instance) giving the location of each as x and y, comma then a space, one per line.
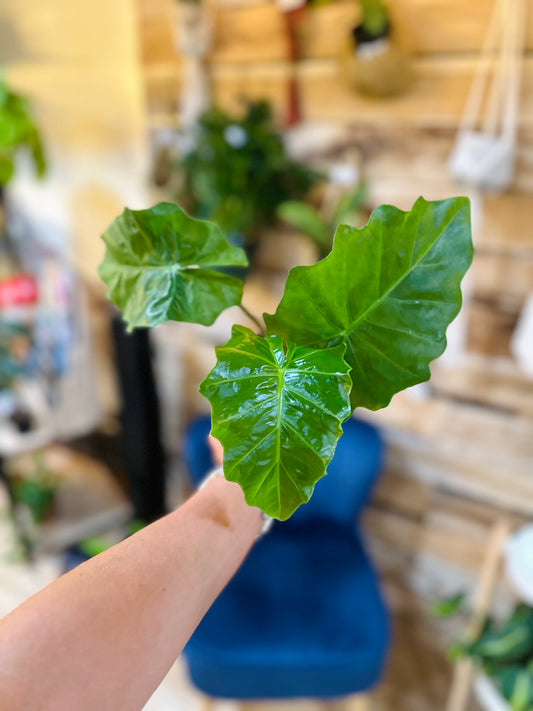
375, 17
388, 290
449, 606
511, 641
504, 650
17, 130
278, 410
321, 228
160, 265
239, 172
36, 490
374, 313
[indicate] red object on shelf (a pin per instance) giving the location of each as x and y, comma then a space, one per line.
18, 290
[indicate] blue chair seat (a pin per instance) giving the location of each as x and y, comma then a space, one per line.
317, 627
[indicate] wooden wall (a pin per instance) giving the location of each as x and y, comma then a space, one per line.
462, 453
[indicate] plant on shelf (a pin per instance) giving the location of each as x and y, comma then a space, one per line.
17, 131
320, 225
375, 60
349, 331
503, 651
36, 490
238, 173
375, 21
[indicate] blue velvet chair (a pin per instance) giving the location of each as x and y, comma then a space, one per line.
304, 616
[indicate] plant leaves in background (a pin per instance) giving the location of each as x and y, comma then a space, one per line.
448, 606
307, 219
277, 412
17, 130
160, 266
508, 642
389, 289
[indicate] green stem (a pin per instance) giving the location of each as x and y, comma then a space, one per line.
254, 319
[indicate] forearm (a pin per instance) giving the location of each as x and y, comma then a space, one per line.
103, 636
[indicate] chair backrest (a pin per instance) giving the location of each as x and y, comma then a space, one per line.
339, 496
351, 474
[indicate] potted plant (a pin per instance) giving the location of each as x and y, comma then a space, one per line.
238, 173
349, 331
502, 652
375, 61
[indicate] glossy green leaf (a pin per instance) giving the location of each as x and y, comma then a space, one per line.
277, 412
160, 265
389, 289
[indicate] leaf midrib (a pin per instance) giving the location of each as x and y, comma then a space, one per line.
352, 327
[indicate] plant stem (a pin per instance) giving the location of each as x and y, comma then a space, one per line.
254, 319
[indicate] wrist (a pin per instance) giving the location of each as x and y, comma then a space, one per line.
232, 497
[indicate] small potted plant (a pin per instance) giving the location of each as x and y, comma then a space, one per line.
375, 61
238, 173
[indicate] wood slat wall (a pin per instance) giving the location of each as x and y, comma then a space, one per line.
463, 455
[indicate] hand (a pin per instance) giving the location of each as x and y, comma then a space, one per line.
217, 451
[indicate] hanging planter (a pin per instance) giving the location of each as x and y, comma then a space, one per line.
375, 62
484, 154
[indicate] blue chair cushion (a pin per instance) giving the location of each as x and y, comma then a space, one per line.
303, 617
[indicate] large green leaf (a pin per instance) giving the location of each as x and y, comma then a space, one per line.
389, 289
277, 410
159, 267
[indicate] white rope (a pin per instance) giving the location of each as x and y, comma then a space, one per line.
484, 152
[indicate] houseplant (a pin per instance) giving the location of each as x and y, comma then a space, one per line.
17, 131
375, 60
503, 651
351, 330
238, 173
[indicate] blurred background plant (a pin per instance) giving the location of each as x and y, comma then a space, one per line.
374, 18
17, 130
238, 173
320, 223
500, 649
35, 490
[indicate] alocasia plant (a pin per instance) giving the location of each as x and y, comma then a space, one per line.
352, 330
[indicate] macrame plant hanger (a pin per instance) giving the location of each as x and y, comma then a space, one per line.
485, 148
193, 37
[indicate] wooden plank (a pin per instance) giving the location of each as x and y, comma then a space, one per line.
436, 98
436, 537
253, 31
157, 39
491, 382
491, 324
507, 223
463, 448
453, 529
400, 493
417, 156
507, 275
